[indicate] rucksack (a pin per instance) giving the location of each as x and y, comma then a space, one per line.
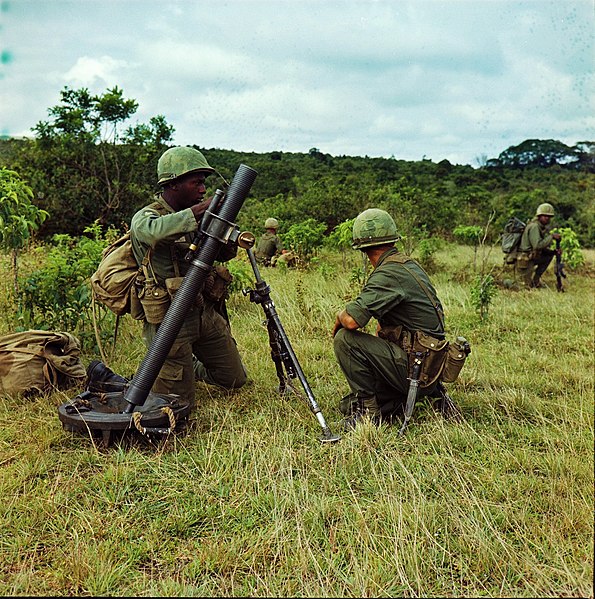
511, 236
113, 281
39, 361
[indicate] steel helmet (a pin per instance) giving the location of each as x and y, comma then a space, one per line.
546, 209
271, 223
373, 227
179, 161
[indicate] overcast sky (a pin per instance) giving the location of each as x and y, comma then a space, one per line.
452, 79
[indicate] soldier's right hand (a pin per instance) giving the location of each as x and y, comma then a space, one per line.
199, 209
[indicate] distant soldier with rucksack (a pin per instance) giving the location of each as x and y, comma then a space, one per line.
534, 254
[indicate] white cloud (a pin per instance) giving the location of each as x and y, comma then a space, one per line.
88, 71
451, 79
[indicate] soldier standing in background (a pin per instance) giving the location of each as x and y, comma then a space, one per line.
534, 254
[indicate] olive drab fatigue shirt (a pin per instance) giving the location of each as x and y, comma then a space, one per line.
536, 237
394, 297
169, 235
268, 245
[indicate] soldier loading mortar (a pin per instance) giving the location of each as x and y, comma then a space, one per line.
83, 413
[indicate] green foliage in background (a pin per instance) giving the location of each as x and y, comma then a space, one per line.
342, 235
468, 234
243, 276
571, 248
87, 163
19, 217
57, 295
305, 238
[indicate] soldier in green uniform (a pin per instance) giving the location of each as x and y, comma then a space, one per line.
269, 249
398, 293
534, 254
161, 234
269, 245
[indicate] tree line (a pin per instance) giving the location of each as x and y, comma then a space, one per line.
85, 166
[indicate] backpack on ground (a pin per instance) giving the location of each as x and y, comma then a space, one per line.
39, 361
113, 281
511, 236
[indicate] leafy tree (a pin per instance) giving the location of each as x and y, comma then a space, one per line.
19, 217
87, 165
538, 152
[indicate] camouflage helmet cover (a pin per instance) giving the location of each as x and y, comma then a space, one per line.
373, 227
179, 161
271, 223
545, 209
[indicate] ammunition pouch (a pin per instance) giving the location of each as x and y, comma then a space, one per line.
215, 288
441, 361
217, 283
155, 301
511, 258
524, 260
534, 255
435, 352
172, 285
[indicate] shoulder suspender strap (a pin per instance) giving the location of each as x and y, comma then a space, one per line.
400, 259
158, 207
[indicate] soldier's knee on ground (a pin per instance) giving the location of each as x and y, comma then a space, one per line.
340, 342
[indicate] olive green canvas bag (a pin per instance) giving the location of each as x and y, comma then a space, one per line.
39, 361
113, 281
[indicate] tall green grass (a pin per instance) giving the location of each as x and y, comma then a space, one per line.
247, 502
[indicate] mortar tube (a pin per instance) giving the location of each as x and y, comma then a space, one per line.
199, 268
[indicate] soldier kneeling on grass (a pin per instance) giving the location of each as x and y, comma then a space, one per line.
401, 297
534, 254
269, 249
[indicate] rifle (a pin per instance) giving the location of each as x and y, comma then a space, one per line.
286, 363
559, 268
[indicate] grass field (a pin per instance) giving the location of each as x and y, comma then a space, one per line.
247, 502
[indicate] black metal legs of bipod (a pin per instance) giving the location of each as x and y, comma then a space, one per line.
281, 351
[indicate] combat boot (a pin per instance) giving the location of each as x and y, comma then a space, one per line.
365, 407
536, 283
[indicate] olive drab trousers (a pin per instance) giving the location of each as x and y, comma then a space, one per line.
530, 268
204, 350
373, 367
